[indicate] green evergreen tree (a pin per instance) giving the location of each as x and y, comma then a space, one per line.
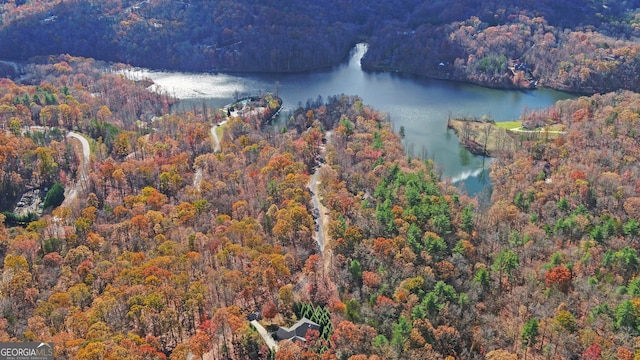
400, 332
563, 204
633, 288
414, 238
626, 316
467, 218
530, 332
55, 196
435, 246
355, 269
631, 228
482, 277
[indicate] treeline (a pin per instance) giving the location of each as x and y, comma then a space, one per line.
66, 93
173, 244
517, 46
548, 270
580, 45
572, 231
195, 35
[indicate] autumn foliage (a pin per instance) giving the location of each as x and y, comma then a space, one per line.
575, 45
170, 244
559, 277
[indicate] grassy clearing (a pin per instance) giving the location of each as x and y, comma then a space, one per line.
511, 125
508, 125
483, 138
220, 130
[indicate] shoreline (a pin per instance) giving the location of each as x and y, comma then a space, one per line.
482, 138
488, 85
20, 64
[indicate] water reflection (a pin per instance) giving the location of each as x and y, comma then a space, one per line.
465, 156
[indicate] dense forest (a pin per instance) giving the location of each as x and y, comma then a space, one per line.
513, 48
174, 228
172, 244
584, 46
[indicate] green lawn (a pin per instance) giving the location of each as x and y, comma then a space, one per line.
508, 125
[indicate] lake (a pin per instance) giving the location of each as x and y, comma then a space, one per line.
421, 106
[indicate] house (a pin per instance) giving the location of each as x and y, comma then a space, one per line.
297, 331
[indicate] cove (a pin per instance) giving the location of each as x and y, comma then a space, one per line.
421, 106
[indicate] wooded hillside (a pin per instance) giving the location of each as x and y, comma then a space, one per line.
583, 46
172, 244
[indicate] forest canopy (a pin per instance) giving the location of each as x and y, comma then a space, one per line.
583, 46
173, 244
178, 231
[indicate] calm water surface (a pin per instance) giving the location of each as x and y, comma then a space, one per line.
421, 106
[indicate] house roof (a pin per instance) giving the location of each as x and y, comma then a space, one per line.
297, 331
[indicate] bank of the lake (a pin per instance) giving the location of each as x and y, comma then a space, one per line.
486, 137
482, 138
421, 106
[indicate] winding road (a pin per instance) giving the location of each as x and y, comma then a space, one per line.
13, 64
322, 219
271, 342
542, 131
216, 140
82, 181
318, 209
197, 178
